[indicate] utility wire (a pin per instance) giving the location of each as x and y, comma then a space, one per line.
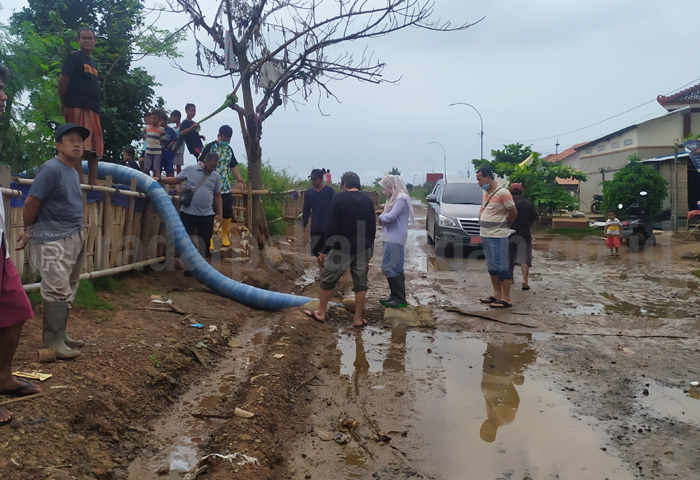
609, 118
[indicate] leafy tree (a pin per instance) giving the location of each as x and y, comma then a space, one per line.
504, 161
539, 180
394, 171
633, 178
39, 38
292, 49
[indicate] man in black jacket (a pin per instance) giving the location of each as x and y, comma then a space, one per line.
520, 242
349, 245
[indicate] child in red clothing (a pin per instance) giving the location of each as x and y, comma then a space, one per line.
613, 232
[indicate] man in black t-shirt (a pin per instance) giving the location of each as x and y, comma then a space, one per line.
520, 242
79, 91
350, 236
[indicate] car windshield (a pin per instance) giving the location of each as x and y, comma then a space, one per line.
464, 193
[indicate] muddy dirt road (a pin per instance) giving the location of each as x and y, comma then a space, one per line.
586, 377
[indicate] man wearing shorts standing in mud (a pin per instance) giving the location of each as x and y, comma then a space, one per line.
79, 90
15, 308
352, 226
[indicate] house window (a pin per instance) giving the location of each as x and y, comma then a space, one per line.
601, 148
616, 145
627, 142
589, 150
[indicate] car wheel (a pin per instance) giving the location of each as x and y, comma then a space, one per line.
431, 240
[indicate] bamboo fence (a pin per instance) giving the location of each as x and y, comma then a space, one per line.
128, 233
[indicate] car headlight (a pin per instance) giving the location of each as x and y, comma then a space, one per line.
444, 221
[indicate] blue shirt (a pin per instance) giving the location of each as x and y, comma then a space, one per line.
60, 214
318, 206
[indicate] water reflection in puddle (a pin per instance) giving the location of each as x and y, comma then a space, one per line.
672, 402
479, 409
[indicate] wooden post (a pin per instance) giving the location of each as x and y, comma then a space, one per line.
249, 208
129, 230
106, 226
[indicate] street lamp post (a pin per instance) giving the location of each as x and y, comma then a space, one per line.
481, 134
444, 156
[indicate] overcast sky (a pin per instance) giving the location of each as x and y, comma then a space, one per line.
539, 72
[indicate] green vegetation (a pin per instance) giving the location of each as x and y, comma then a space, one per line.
34, 46
504, 161
696, 273
277, 182
154, 360
576, 233
539, 180
87, 296
633, 178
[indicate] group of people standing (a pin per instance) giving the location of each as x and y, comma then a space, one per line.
342, 233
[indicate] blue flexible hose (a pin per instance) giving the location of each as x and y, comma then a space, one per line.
205, 273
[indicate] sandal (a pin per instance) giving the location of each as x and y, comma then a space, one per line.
488, 299
501, 304
312, 314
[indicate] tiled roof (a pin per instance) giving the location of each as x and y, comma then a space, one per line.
564, 154
684, 97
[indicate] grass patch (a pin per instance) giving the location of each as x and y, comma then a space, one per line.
696, 273
576, 232
35, 297
87, 296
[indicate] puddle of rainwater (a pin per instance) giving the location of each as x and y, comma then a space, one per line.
656, 310
363, 351
679, 403
176, 435
496, 420
479, 409
673, 282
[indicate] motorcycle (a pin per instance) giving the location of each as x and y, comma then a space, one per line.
596, 203
637, 228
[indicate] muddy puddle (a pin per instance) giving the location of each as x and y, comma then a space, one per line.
174, 443
479, 407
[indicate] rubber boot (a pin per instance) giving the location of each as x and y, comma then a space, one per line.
211, 244
392, 294
225, 227
54, 328
398, 286
71, 342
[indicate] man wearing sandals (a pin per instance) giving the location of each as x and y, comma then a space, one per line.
352, 226
520, 243
15, 308
497, 213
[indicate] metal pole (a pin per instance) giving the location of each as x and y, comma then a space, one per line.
444, 156
481, 134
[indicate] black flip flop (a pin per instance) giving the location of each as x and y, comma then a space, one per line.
526, 286
20, 391
488, 299
500, 304
364, 324
312, 314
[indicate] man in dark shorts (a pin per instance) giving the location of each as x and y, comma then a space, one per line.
198, 217
317, 205
15, 308
53, 222
520, 242
79, 91
352, 226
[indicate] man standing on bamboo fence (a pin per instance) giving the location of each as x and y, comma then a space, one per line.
53, 229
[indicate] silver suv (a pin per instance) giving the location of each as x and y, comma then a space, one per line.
453, 213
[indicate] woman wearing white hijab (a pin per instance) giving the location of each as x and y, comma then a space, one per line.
394, 220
